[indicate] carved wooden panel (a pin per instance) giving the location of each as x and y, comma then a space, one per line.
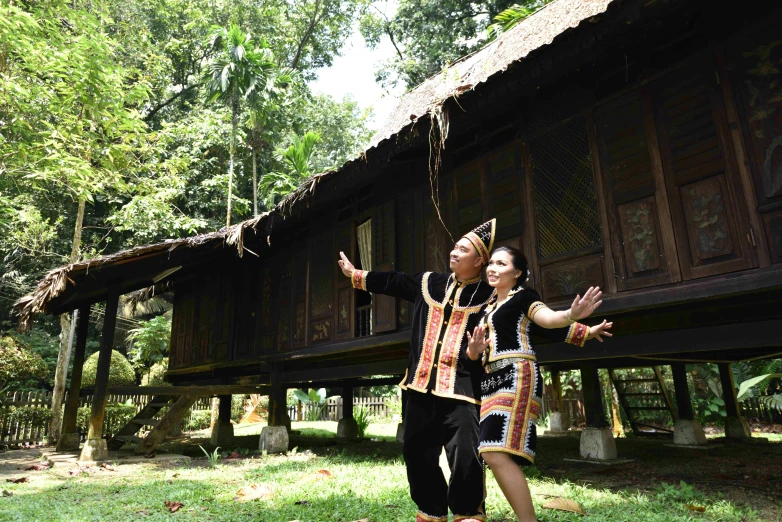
320, 331
707, 201
757, 61
300, 279
224, 335
284, 329
571, 278
405, 249
344, 312
707, 219
773, 225
640, 236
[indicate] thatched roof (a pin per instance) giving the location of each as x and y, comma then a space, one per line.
536, 31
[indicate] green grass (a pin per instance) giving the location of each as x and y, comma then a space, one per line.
368, 481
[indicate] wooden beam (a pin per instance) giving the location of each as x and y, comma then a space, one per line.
172, 417
729, 390
343, 347
593, 399
194, 391
393, 367
731, 338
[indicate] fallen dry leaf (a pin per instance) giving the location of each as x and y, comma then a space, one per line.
254, 492
108, 467
38, 467
233, 455
7, 493
173, 506
18, 480
700, 509
362, 520
563, 504
321, 474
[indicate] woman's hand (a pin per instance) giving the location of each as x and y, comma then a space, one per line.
345, 264
477, 342
583, 307
595, 332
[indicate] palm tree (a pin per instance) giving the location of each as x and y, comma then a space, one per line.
276, 185
260, 102
235, 74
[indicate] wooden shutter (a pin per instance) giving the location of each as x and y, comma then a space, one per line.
300, 285
704, 190
383, 251
284, 300
503, 183
322, 263
468, 183
346, 309
643, 246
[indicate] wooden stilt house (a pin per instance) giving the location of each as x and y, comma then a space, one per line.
634, 144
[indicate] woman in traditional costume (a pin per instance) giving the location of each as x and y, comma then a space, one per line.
511, 388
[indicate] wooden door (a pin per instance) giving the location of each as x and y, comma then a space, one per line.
383, 252
707, 202
643, 247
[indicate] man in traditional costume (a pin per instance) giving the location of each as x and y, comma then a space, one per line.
443, 405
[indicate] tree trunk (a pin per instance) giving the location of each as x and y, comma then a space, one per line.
231, 167
66, 340
255, 185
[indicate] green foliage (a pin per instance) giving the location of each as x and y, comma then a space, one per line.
120, 371
429, 34
115, 417
511, 16
154, 377
296, 159
363, 418
394, 406
212, 457
18, 363
149, 343
315, 402
683, 493
198, 420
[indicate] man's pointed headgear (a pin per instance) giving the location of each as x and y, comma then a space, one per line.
482, 238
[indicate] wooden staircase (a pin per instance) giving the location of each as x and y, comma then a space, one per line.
177, 407
645, 400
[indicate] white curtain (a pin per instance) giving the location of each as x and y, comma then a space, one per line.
364, 233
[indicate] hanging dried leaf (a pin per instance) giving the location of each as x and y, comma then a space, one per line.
564, 504
321, 474
699, 509
173, 506
254, 492
18, 480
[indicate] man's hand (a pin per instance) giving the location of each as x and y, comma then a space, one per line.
346, 266
601, 329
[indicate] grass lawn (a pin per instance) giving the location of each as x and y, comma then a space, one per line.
368, 482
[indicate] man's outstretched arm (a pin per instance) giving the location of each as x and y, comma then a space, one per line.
395, 284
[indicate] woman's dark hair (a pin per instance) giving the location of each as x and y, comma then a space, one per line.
518, 259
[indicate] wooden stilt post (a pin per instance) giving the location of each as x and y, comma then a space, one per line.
95, 447
347, 428
69, 438
223, 430
682, 391
597, 442
556, 386
736, 426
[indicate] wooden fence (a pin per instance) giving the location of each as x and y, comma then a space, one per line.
378, 408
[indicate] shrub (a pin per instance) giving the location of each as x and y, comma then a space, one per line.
115, 417
120, 372
199, 420
18, 363
155, 375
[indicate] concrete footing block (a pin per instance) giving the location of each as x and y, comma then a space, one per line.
94, 450
598, 444
400, 432
347, 428
222, 434
688, 433
68, 442
274, 439
558, 422
737, 428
